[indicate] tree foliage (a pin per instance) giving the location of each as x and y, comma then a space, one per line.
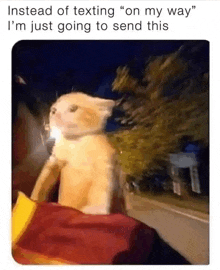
170, 101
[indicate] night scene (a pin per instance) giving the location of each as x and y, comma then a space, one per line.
110, 152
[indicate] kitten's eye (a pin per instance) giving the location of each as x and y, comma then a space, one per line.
73, 108
53, 110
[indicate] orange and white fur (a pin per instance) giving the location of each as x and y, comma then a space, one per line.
82, 156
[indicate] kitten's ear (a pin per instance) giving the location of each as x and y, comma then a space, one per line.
105, 106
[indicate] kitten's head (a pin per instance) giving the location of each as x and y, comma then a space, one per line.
78, 114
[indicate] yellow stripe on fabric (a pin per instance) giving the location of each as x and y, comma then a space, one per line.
22, 215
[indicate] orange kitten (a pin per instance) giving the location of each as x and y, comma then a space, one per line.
82, 155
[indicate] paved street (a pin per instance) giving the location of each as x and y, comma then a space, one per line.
185, 231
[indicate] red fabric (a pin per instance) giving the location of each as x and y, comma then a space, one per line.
68, 234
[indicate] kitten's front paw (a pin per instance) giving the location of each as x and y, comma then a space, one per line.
95, 210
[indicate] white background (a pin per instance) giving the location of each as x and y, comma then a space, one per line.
203, 23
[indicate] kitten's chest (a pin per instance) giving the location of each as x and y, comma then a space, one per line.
76, 154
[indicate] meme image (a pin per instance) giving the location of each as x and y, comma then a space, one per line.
110, 152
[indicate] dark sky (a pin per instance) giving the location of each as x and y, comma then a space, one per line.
84, 63
52, 68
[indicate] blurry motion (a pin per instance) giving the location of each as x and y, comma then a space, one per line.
47, 233
155, 183
158, 182
82, 156
192, 165
28, 148
176, 180
132, 184
190, 146
182, 160
169, 99
195, 179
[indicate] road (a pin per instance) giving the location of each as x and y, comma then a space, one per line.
187, 232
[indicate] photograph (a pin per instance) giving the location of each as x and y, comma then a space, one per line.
110, 152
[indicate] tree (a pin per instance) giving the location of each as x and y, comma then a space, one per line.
170, 101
